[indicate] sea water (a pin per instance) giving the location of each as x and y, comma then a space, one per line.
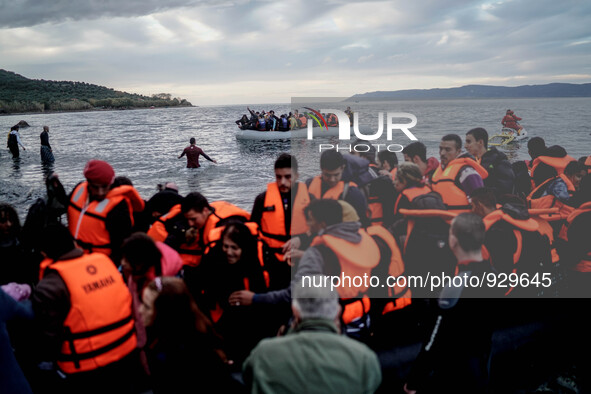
144, 144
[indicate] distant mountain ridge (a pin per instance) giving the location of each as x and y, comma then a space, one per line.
482, 91
21, 94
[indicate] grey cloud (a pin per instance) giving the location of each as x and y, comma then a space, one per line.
25, 13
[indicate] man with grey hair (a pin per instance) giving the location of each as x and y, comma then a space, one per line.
313, 357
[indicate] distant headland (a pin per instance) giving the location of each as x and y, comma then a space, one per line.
481, 92
19, 94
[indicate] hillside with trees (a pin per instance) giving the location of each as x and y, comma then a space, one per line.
21, 94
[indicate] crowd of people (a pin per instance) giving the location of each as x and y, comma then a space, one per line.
180, 294
268, 121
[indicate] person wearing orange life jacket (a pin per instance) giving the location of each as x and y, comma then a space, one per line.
553, 190
555, 156
279, 212
387, 162
332, 120
233, 264
302, 121
82, 304
513, 241
575, 245
101, 217
336, 223
409, 184
330, 184
457, 176
186, 226
459, 343
376, 185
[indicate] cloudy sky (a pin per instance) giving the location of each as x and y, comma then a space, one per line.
238, 52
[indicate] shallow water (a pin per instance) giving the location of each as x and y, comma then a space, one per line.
144, 144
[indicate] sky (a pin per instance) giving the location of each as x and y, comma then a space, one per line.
253, 52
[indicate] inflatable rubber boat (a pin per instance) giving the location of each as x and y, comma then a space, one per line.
285, 135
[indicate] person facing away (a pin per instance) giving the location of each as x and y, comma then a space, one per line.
312, 357
510, 121
14, 140
46, 151
84, 317
455, 353
193, 151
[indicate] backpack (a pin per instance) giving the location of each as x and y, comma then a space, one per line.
425, 250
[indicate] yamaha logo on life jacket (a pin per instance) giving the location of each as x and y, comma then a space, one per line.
344, 125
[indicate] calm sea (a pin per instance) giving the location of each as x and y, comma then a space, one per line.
144, 144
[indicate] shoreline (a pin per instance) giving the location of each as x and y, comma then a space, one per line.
94, 110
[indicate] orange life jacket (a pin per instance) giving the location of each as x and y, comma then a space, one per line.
191, 254
393, 172
549, 200
273, 217
525, 225
375, 209
544, 227
99, 328
356, 260
401, 295
558, 163
334, 193
222, 210
332, 120
86, 220
303, 121
585, 264
445, 182
411, 193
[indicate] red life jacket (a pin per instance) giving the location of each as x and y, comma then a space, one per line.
446, 183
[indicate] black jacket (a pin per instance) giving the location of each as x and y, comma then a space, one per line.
500, 173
